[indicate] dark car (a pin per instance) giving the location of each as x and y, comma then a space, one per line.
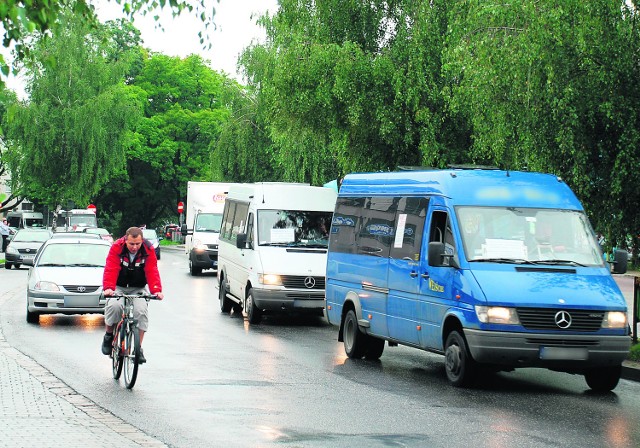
169, 229
24, 246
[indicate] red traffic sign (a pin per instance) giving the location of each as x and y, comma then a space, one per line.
180, 207
91, 207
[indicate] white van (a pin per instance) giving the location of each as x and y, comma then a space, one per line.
273, 248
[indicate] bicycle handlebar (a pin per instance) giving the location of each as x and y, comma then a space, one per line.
135, 296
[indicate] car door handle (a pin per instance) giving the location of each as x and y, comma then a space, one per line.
413, 274
425, 275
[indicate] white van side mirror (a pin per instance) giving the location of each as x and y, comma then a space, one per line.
241, 241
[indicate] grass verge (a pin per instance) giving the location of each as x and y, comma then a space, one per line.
634, 353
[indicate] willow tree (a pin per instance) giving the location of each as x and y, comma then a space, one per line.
66, 141
552, 86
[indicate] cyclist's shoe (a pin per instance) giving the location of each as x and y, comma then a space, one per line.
141, 358
107, 342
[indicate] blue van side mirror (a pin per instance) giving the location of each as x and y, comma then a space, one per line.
620, 260
436, 254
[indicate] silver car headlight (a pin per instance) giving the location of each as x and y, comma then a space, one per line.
11, 250
497, 315
46, 286
614, 319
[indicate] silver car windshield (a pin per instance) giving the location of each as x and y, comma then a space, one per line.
89, 255
547, 236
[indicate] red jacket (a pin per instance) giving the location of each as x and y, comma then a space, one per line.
120, 271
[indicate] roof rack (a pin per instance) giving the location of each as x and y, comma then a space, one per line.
472, 167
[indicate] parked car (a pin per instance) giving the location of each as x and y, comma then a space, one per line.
104, 233
169, 229
24, 245
67, 277
151, 236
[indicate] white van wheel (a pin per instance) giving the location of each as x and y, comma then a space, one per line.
354, 339
225, 302
459, 364
254, 314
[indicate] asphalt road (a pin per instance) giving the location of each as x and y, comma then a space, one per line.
214, 380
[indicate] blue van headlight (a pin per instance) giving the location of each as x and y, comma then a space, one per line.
614, 319
497, 315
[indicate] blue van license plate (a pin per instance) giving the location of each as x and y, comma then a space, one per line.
564, 353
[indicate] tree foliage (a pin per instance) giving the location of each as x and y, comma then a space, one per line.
355, 86
184, 110
67, 140
20, 18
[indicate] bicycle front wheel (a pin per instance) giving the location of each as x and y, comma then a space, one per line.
131, 356
117, 351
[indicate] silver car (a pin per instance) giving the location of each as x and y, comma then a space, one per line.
24, 245
66, 277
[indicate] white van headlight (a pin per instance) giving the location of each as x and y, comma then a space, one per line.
614, 319
497, 315
270, 279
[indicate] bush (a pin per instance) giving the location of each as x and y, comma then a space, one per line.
634, 354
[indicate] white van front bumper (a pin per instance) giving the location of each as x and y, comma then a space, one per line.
288, 299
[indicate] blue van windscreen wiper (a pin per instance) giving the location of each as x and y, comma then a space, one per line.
502, 260
556, 262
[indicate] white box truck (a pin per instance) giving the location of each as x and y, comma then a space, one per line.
205, 204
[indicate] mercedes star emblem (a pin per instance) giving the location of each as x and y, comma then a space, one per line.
309, 282
563, 319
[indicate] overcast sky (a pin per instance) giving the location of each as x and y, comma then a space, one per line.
235, 29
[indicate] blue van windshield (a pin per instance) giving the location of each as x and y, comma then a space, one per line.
551, 236
293, 228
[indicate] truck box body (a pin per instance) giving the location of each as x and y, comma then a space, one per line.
205, 203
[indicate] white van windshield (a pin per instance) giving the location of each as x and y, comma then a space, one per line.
293, 228
545, 236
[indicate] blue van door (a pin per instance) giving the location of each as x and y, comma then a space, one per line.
403, 317
436, 285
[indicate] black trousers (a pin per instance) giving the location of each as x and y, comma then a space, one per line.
5, 239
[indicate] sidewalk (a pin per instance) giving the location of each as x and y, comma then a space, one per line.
37, 409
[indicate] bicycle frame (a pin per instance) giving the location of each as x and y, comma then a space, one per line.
125, 351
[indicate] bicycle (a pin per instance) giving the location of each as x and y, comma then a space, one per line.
125, 351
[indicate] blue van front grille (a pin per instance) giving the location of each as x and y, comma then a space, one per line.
551, 319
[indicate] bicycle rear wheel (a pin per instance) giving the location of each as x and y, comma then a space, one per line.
117, 352
131, 355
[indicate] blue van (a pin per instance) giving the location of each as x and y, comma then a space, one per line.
493, 269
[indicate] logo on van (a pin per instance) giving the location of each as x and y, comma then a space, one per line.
219, 197
433, 286
309, 282
343, 221
563, 319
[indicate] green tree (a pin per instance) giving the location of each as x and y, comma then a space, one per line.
67, 141
552, 86
184, 110
20, 18
353, 86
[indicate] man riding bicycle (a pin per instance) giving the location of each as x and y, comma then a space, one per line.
130, 268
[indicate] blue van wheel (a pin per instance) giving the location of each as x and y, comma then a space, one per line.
375, 347
603, 379
354, 339
459, 365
